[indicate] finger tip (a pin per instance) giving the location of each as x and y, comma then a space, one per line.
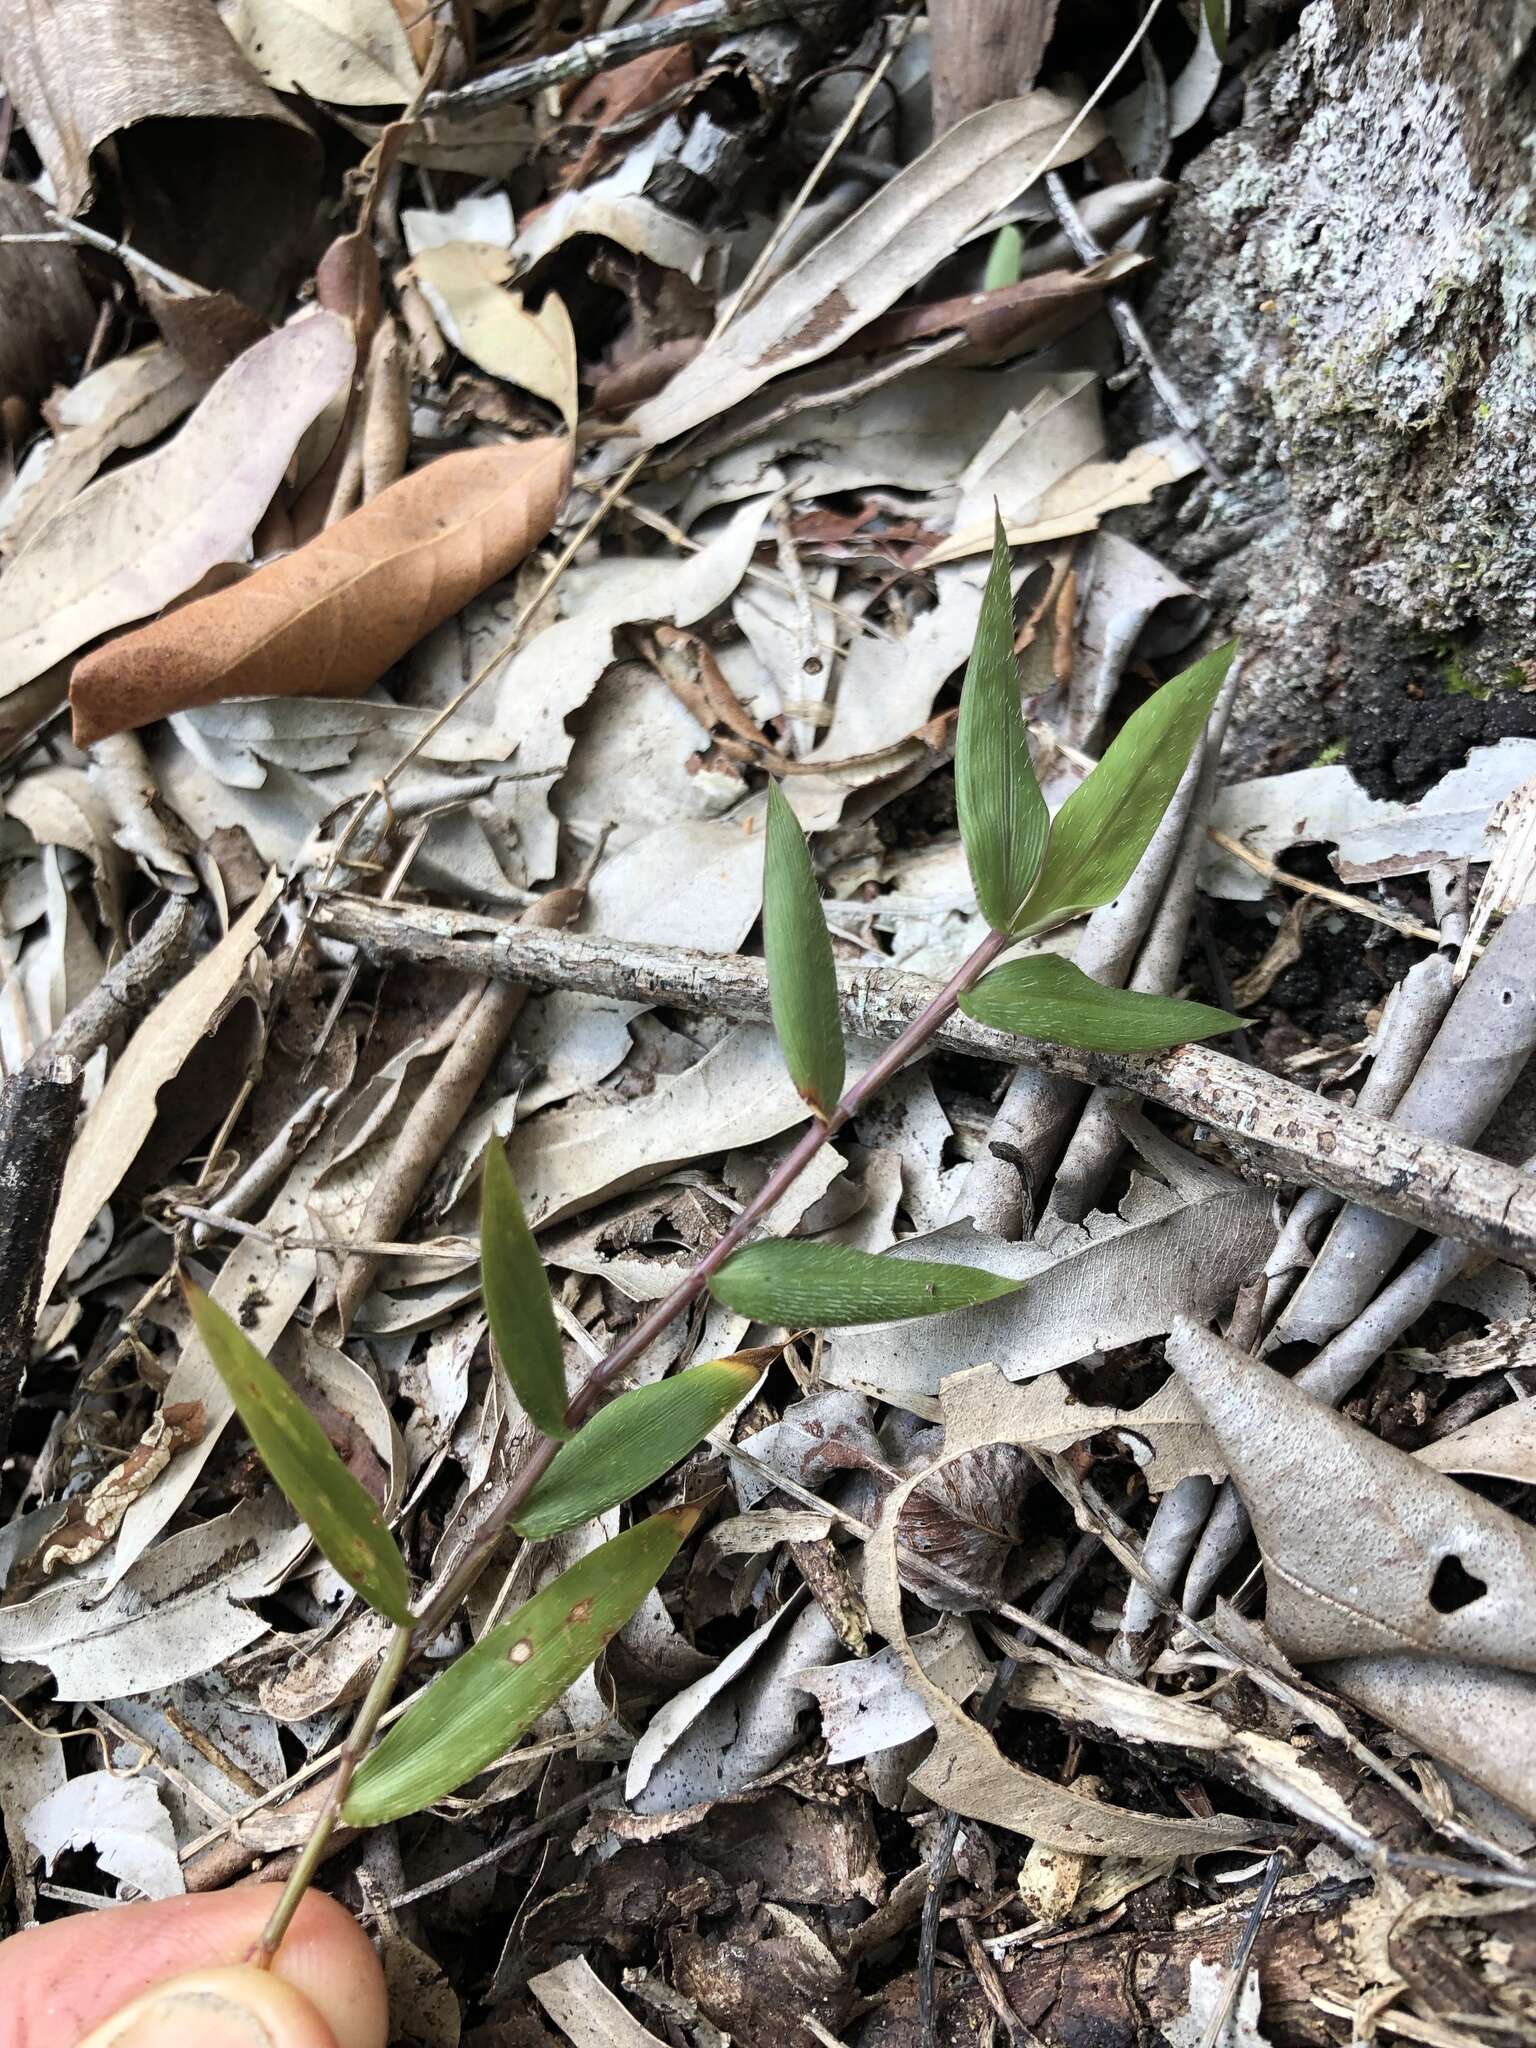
235, 2007
327, 1956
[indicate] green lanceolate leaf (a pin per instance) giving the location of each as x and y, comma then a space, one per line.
516, 1291
628, 1445
1047, 997
484, 1702
1003, 818
1005, 258
1107, 823
801, 981
341, 1516
1216, 23
822, 1286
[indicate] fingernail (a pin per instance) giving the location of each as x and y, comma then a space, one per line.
193, 2019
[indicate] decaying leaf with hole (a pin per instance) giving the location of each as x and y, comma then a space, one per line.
1429, 1567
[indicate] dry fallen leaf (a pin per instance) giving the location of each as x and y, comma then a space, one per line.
329, 619
124, 404
197, 142
862, 268
462, 283
1421, 1563
353, 52
122, 1114
586, 2011
1477, 1718
142, 536
1499, 1446
1079, 501
966, 1771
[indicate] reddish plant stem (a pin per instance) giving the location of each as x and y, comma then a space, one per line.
542, 1451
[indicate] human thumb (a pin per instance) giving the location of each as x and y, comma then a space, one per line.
238, 2007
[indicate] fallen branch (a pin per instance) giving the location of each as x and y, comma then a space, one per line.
591, 54
144, 971
1270, 1124
37, 1127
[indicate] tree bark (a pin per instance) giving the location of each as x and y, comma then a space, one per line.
1346, 290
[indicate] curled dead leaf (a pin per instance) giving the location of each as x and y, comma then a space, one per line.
329, 619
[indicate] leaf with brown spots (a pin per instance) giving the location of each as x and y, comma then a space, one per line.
483, 1703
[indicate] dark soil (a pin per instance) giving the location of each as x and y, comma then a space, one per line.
1408, 728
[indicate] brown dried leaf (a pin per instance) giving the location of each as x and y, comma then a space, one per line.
618, 95
1365, 1548
997, 323
46, 315
94, 1518
143, 535
329, 619
198, 142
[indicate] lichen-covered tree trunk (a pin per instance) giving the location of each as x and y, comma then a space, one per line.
1348, 289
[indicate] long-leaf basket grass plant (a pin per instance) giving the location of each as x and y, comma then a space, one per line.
590, 1453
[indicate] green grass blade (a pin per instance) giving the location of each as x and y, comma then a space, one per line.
824, 1286
1005, 258
1106, 824
480, 1706
1003, 817
341, 1515
516, 1291
1047, 997
802, 983
628, 1445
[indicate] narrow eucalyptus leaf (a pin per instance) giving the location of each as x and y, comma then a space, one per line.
516, 1291
802, 983
628, 1445
1005, 258
342, 1516
1106, 824
1047, 997
821, 1286
480, 1705
1216, 22
1003, 816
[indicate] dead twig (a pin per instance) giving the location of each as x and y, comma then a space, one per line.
1271, 1124
1132, 334
37, 1127
588, 55
144, 971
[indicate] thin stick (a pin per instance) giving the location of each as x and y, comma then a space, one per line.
591, 54
1045, 1609
1395, 920
1232, 1990
76, 231
1276, 1127
861, 99
1132, 334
